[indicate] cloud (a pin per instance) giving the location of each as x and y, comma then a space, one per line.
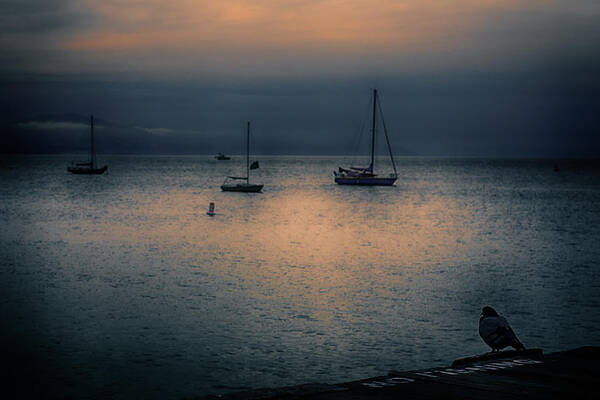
39, 125
52, 125
166, 132
335, 25
157, 131
182, 76
39, 17
272, 37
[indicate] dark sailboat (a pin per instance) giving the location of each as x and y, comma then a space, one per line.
89, 167
366, 175
222, 157
230, 184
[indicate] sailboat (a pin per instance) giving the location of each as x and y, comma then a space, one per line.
89, 167
367, 175
230, 184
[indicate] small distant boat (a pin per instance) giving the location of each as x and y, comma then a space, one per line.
88, 167
221, 157
366, 175
230, 184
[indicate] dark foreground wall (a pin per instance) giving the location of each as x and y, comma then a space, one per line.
508, 375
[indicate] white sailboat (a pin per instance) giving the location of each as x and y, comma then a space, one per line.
366, 175
232, 183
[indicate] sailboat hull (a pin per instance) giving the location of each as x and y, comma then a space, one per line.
365, 181
87, 171
242, 187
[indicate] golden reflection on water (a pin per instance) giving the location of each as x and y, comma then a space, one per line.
325, 228
325, 249
308, 278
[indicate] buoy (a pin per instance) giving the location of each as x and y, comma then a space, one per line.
211, 209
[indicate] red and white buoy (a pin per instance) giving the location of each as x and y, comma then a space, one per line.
211, 209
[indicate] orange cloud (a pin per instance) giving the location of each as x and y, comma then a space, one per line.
278, 37
348, 24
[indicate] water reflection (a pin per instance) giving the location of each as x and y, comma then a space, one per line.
308, 281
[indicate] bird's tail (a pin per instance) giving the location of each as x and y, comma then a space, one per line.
518, 345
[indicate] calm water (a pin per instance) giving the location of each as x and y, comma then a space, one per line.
120, 286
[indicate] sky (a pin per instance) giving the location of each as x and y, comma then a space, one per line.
497, 78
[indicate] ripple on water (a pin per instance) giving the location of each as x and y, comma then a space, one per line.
123, 287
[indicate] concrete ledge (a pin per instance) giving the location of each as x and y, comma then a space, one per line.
530, 353
503, 375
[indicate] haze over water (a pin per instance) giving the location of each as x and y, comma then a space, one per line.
121, 285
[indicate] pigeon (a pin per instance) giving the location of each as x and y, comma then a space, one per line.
496, 332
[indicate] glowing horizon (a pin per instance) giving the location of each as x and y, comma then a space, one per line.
266, 25
320, 36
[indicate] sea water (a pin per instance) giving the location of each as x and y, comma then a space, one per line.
121, 286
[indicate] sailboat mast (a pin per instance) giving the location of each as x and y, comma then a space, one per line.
92, 153
373, 129
248, 153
